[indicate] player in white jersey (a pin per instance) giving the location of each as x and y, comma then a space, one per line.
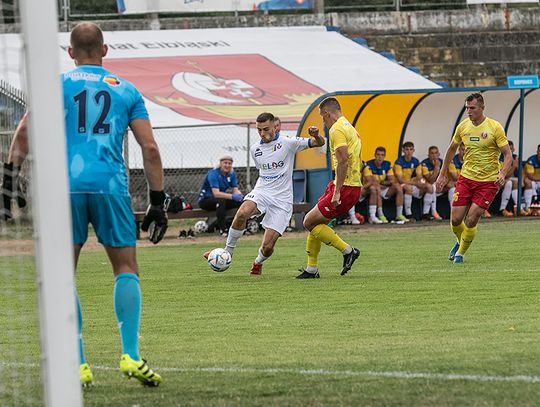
273, 193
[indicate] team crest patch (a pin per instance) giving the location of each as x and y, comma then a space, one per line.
484, 135
111, 80
219, 88
258, 152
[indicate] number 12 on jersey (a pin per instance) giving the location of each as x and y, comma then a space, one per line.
102, 100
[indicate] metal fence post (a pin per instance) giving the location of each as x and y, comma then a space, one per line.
248, 167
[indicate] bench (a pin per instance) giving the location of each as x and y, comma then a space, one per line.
301, 207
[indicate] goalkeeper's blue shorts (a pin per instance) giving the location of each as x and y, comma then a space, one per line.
110, 215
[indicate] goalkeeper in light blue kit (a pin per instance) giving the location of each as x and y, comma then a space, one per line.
98, 107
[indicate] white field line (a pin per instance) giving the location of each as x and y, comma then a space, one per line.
322, 372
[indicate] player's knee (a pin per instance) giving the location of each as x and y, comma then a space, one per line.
373, 189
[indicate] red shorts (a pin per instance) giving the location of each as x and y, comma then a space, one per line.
348, 197
468, 191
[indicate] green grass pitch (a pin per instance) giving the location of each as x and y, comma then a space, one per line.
404, 328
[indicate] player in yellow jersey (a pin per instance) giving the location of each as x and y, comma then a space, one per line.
481, 175
341, 193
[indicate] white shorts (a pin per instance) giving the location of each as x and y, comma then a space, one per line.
536, 187
276, 213
416, 192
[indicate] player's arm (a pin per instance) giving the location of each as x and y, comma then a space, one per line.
442, 179
142, 130
315, 139
529, 171
342, 164
507, 164
19, 145
452, 172
513, 167
153, 169
421, 173
17, 153
431, 177
390, 180
398, 172
221, 195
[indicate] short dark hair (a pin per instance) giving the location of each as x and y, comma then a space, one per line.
277, 119
432, 148
86, 39
380, 148
408, 144
330, 103
264, 117
478, 96
510, 142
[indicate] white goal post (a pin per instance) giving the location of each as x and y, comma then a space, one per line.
50, 209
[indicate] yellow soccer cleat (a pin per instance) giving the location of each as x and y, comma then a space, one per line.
139, 370
86, 375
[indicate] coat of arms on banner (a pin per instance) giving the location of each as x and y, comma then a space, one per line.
219, 88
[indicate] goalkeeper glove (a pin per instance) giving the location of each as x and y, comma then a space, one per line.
10, 189
155, 218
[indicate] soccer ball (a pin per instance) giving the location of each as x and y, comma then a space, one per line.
219, 260
200, 226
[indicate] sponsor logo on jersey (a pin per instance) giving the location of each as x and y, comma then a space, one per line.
111, 80
277, 146
272, 166
475, 139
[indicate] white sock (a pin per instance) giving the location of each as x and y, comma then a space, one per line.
428, 198
433, 200
451, 195
527, 195
260, 257
380, 212
505, 195
408, 203
347, 250
399, 210
514, 196
232, 238
312, 269
372, 211
352, 213
434, 205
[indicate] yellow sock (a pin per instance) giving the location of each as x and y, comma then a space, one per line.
327, 236
313, 247
458, 230
467, 237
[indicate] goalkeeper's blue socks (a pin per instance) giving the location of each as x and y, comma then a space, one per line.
79, 329
127, 305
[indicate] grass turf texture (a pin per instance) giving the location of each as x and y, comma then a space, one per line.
403, 308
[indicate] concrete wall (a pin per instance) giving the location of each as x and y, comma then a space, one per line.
390, 22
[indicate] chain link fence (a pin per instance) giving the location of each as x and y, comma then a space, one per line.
189, 152
12, 108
